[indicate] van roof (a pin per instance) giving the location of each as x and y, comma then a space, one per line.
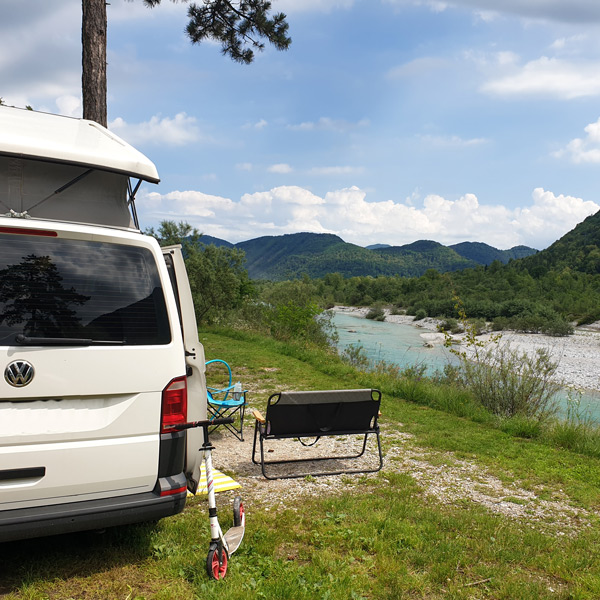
54, 138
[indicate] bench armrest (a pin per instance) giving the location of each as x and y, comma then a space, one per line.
258, 416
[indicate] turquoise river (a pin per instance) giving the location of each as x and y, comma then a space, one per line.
403, 345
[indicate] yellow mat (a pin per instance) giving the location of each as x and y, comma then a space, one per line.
222, 482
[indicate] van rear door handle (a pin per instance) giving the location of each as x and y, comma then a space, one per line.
27, 473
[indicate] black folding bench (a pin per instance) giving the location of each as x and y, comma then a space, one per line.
315, 414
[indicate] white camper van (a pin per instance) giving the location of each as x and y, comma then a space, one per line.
99, 349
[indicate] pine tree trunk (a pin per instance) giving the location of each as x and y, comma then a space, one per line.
93, 78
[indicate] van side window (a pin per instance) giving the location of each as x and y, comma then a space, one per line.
64, 288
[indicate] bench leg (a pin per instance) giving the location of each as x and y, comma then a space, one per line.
254, 443
257, 435
316, 459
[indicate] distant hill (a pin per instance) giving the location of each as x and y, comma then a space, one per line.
577, 250
208, 240
421, 255
377, 246
316, 254
484, 254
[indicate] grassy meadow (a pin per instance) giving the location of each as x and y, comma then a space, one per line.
463, 509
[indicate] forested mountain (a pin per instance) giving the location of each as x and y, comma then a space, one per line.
484, 254
289, 256
418, 257
209, 239
578, 250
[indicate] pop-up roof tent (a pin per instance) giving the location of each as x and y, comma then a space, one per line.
66, 169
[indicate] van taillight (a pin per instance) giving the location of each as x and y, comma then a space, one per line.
174, 404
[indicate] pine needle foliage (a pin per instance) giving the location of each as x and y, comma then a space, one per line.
240, 27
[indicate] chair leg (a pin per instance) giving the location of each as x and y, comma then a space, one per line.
229, 412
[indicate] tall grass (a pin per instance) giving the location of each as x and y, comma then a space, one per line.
577, 432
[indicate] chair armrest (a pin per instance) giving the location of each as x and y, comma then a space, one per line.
258, 416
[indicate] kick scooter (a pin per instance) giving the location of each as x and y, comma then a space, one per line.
222, 545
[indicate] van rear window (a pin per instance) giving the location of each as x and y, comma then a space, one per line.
58, 288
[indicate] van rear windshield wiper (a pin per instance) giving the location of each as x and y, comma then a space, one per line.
24, 340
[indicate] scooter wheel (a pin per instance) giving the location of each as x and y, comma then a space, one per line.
239, 514
216, 569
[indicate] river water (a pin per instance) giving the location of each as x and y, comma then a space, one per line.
391, 342
402, 345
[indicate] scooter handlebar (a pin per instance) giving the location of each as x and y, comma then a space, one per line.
222, 421
204, 423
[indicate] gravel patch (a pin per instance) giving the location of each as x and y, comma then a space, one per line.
442, 477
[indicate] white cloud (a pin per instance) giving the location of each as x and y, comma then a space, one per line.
189, 204
569, 45
573, 11
177, 131
586, 150
40, 52
281, 168
336, 171
297, 6
69, 105
548, 77
348, 213
451, 141
328, 124
551, 216
506, 58
136, 11
260, 124
417, 67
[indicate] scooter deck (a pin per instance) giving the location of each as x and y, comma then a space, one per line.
234, 537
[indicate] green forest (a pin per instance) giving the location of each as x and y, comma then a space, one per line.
508, 296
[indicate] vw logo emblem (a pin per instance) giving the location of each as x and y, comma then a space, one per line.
19, 373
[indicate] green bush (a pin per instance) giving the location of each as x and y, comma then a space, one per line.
557, 327
588, 318
376, 313
355, 355
450, 325
509, 383
420, 314
447, 325
290, 312
499, 324
479, 326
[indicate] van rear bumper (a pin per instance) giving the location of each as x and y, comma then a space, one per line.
94, 514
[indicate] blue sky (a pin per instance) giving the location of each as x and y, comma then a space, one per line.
387, 121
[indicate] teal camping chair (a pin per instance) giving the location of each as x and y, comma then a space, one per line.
226, 401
